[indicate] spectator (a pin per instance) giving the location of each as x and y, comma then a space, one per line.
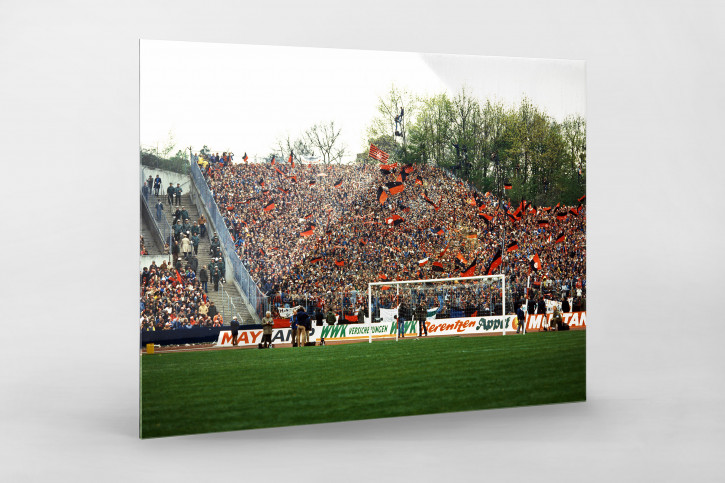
157, 185
170, 192
267, 326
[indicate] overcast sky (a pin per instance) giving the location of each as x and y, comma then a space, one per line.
244, 97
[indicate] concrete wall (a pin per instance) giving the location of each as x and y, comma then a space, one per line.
166, 177
145, 260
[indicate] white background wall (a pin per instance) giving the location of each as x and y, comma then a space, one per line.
69, 96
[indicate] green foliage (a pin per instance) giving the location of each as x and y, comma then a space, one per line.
197, 392
179, 163
488, 143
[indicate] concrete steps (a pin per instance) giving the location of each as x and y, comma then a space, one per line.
228, 293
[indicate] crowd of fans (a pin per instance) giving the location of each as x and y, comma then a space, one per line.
321, 233
172, 297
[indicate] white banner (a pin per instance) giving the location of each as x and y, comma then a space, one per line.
253, 337
386, 315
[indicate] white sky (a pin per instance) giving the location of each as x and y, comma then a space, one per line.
244, 97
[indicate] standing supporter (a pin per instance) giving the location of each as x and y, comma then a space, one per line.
203, 278
421, 314
177, 193
159, 210
235, 330
186, 247
293, 327
157, 185
170, 192
267, 326
212, 312
521, 318
202, 226
330, 317
215, 277
303, 326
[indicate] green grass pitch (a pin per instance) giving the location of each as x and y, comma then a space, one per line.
208, 391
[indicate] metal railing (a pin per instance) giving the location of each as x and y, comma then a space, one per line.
255, 297
160, 224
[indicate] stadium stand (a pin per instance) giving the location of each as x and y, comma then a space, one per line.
311, 232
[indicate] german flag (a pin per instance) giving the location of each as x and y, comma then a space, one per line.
507, 185
560, 238
382, 195
494, 263
543, 223
340, 263
561, 216
486, 217
270, 206
471, 270
514, 245
378, 154
582, 198
437, 267
395, 187
535, 263
315, 259
339, 183
245, 157
310, 230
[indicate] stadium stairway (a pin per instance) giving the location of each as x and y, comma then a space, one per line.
227, 291
149, 240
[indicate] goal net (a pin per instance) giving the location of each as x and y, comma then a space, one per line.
442, 303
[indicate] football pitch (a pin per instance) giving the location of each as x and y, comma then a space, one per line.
224, 390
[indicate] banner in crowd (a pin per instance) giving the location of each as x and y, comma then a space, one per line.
386, 315
252, 337
285, 312
572, 319
460, 326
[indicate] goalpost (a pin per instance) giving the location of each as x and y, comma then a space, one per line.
458, 297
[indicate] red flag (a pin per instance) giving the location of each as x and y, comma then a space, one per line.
388, 167
316, 259
470, 271
437, 267
494, 263
507, 185
270, 206
339, 183
382, 195
444, 250
582, 198
535, 263
378, 154
245, 157
395, 188
512, 246
272, 160
340, 263
560, 238
310, 230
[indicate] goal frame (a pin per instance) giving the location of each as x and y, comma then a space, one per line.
398, 283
